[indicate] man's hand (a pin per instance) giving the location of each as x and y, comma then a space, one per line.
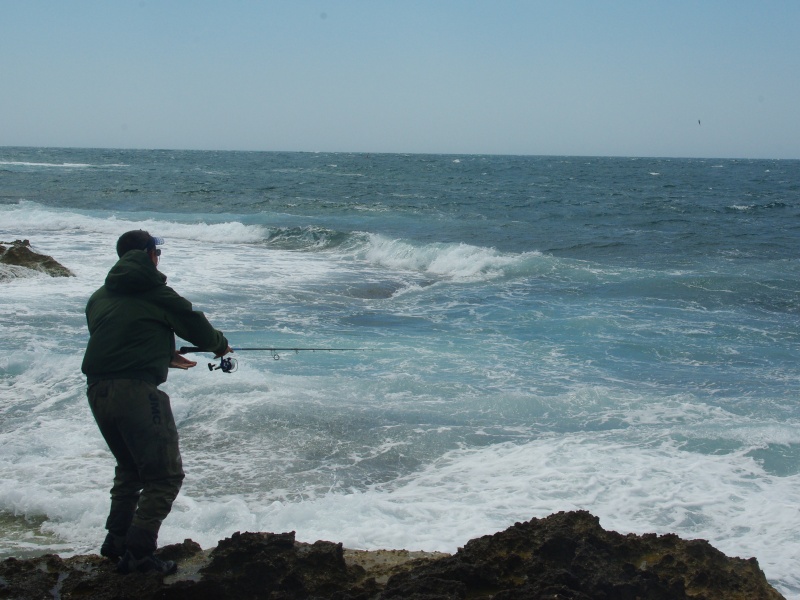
179, 361
228, 350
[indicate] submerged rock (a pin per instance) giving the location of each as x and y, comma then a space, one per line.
19, 254
566, 555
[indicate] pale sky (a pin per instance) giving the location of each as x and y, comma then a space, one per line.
555, 77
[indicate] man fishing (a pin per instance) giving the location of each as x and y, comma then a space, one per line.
133, 319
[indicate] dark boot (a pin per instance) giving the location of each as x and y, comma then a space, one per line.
118, 522
139, 557
113, 546
147, 564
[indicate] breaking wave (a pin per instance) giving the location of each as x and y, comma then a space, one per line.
454, 261
440, 260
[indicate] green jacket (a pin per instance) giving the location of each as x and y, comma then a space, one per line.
133, 320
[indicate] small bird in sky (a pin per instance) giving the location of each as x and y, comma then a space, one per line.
698, 121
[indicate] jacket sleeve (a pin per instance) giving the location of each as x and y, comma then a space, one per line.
190, 324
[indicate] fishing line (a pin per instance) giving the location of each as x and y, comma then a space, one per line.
228, 364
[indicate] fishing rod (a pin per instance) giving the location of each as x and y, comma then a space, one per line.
228, 364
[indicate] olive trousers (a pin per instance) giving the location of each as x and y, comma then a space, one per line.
135, 418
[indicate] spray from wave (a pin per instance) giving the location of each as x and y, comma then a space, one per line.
452, 261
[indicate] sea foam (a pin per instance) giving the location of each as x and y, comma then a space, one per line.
455, 261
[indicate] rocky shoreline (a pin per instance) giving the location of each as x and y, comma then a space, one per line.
566, 555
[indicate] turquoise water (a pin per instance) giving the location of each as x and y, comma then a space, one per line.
539, 334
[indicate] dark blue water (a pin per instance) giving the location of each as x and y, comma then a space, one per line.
625, 210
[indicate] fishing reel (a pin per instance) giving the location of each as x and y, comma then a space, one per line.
226, 365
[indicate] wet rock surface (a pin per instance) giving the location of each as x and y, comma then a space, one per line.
565, 556
19, 256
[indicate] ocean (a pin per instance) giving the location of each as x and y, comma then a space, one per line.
529, 335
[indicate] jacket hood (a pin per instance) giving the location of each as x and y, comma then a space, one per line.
134, 273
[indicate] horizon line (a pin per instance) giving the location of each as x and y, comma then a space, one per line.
385, 152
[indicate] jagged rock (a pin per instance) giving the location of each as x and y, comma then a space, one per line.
268, 565
19, 254
566, 555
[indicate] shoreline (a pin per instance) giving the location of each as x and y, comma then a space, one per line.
565, 555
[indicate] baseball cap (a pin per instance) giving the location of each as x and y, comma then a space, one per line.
138, 240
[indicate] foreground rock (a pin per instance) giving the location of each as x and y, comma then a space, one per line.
19, 254
566, 555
